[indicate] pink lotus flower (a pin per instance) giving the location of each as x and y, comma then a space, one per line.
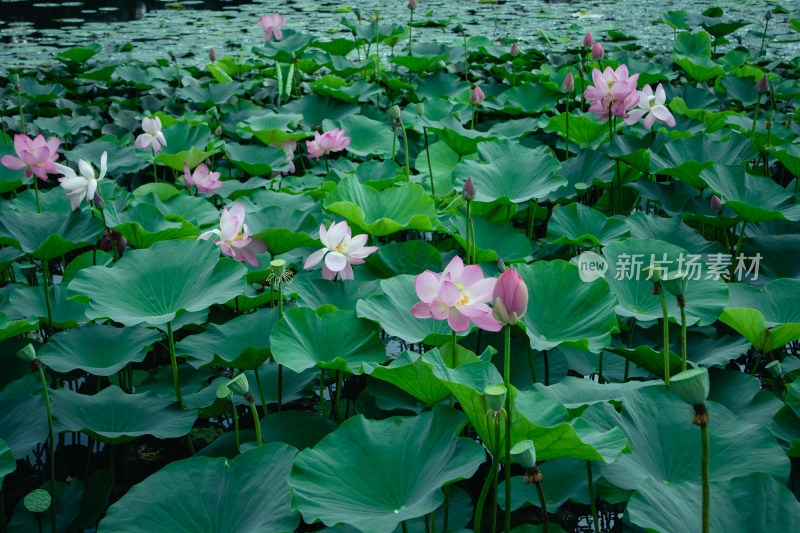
588, 41
614, 91
152, 135
510, 298
514, 49
341, 251
83, 186
36, 156
476, 95
288, 148
569, 83
234, 237
716, 204
652, 108
330, 141
459, 294
272, 26
117, 239
202, 178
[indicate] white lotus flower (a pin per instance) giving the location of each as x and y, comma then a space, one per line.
83, 185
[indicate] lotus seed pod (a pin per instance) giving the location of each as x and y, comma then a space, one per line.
524, 453
420, 109
691, 385
654, 272
223, 391
774, 368
468, 191
239, 384
394, 112
37, 501
13, 78
28, 353
676, 281
441, 64
495, 396
278, 267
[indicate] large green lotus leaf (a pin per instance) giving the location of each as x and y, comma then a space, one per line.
121, 160
314, 292
192, 157
757, 500
257, 160
687, 158
582, 129
239, 343
649, 359
407, 257
511, 173
213, 94
293, 385
102, 350
63, 125
776, 300
271, 128
563, 310
743, 395
25, 302
410, 372
574, 393
579, 225
754, 198
533, 416
562, 480
459, 139
202, 494
705, 298
284, 229
11, 328
23, 419
493, 240
671, 230
443, 161
330, 484
51, 234
666, 445
392, 310
367, 137
587, 168
155, 284
382, 213
334, 341
112, 416
144, 224
315, 108
750, 323
789, 156
67, 502
198, 211
526, 98
440, 85
7, 462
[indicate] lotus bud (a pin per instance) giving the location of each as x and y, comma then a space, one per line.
569, 83
761, 86
412, 5
597, 51
468, 191
212, 55
691, 385
510, 298
514, 49
239, 384
768, 15
588, 41
495, 396
716, 204
420, 108
278, 267
501, 266
99, 203
37, 501
357, 12
476, 96
27, 354
654, 272
524, 452
223, 391
457, 115
675, 282
395, 113
441, 64
774, 368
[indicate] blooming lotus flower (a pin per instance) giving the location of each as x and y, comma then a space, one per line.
234, 237
476, 95
36, 156
272, 26
83, 186
202, 178
288, 148
341, 251
651, 105
510, 298
614, 91
152, 135
330, 141
459, 294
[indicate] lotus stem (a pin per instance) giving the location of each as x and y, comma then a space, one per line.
665, 315
36, 188
682, 305
256, 421
280, 366
405, 144
327, 170
51, 459
46, 281
741, 237
455, 352
566, 138
496, 474
236, 424
546, 369
404, 526
757, 363
260, 390
155, 169
428, 154
507, 383
336, 414
531, 361
322, 393
591, 497
466, 57
394, 140
630, 342
755, 116
410, 40
469, 232
763, 37
21, 118
542, 502
705, 463
174, 361
476, 526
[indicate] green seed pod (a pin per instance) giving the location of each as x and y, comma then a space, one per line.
654, 271
691, 385
28, 353
676, 281
239, 384
37, 501
774, 368
278, 267
13, 78
420, 109
495, 396
394, 112
223, 391
524, 453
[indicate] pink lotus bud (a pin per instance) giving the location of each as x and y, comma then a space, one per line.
587, 40
510, 298
218, 131
768, 16
761, 86
514, 50
468, 191
597, 51
716, 204
212, 55
476, 96
569, 83
412, 5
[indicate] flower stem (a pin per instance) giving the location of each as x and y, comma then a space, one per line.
706, 489
665, 315
428, 154
496, 474
532, 362
404, 526
155, 169
405, 143
256, 421
22, 121
36, 188
507, 383
455, 361
682, 305
280, 366
469, 232
739, 242
236, 424
46, 281
260, 390
591, 497
338, 394
327, 170
763, 38
410, 27
566, 138
755, 117
322, 393
476, 526
543, 505
50, 448
174, 361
